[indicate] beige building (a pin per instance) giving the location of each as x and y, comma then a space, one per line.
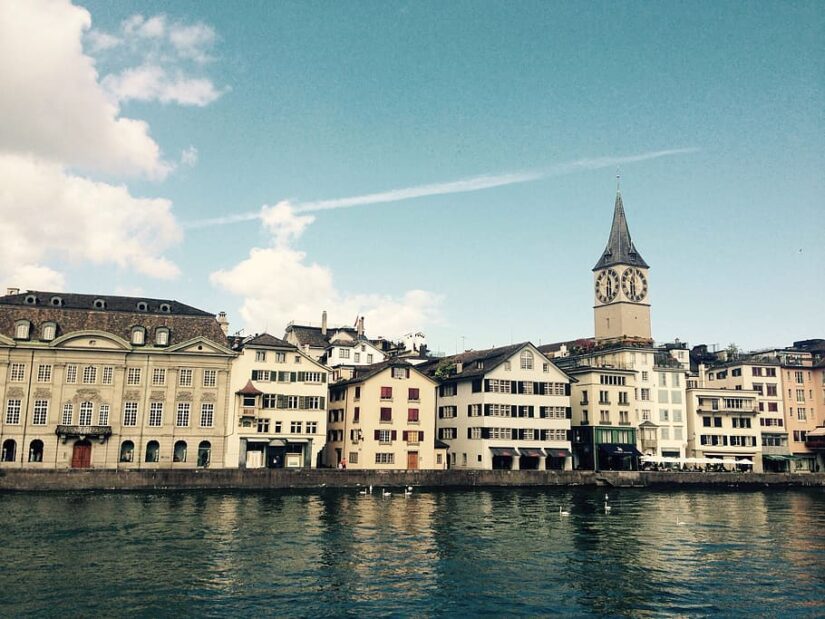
798, 383
280, 412
111, 382
383, 418
723, 425
503, 408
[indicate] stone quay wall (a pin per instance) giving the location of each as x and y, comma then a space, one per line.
270, 479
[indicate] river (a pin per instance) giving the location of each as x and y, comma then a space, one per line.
448, 552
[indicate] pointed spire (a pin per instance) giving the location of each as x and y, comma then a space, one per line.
620, 248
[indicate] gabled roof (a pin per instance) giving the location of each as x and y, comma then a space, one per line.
71, 300
308, 336
365, 372
620, 248
490, 358
267, 340
249, 389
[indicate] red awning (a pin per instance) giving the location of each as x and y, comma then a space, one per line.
531, 452
504, 451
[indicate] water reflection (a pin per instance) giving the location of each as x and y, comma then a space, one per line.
461, 552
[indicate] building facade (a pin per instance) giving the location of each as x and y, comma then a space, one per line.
280, 405
383, 418
111, 382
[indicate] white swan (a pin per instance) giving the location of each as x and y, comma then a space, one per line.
563, 512
370, 488
408, 491
363, 492
680, 522
607, 506
386, 493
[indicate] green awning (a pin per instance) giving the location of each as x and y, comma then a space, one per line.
777, 458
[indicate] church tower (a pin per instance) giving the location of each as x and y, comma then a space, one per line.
621, 309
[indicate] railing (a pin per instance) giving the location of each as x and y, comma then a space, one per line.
65, 430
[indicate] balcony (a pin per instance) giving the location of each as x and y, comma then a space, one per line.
249, 412
649, 443
101, 433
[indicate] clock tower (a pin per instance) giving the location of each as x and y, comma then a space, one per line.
622, 308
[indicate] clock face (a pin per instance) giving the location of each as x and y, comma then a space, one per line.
634, 284
607, 286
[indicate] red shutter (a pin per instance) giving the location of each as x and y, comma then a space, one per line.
377, 435
421, 435
404, 436
394, 434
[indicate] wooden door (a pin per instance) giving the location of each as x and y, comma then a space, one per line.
412, 459
82, 455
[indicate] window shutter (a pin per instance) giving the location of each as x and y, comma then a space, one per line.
407, 370
477, 385
323, 401
469, 410
404, 436
514, 412
293, 377
281, 401
486, 384
531, 411
441, 412
378, 435
254, 374
394, 434
568, 412
323, 377
537, 388
485, 433
566, 388
486, 410
421, 436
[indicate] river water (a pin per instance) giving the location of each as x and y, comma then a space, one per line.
655, 553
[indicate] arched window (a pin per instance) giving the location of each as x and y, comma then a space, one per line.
526, 360
99, 304
142, 306
165, 308
36, 451
56, 301
49, 331
152, 451
138, 336
204, 453
162, 336
21, 329
127, 451
85, 417
179, 454
9, 450
31, 300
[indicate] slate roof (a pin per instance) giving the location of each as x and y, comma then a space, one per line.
70, 300
364, 372
308, 336
249, 389
491, 357
620, 248
265, 339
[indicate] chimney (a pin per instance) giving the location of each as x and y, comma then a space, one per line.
10, 291
324, 322
361, 327
459, 367
223, 322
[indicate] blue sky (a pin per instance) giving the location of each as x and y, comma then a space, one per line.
321, 101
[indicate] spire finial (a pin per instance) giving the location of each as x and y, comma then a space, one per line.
618, 181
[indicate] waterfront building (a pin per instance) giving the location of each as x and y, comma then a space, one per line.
383, 417
280, 405
722, 425
111, 382
797, 369
503, 408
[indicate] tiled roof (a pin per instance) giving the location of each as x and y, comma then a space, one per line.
620, 248
70, 300
490, 358
364, 372
249, 389
265, 339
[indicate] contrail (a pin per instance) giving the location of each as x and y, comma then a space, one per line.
476, 183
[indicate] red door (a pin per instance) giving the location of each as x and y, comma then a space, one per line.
412, 459
82, 455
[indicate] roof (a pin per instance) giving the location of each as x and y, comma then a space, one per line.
249, 389
265, 339
308, 336
441, 445
71, 300
620, 248
365, 372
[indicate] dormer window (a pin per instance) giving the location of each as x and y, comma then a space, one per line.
22, 329
138, 336
526, 360
99, 304
142, 306
56, 301
165, 308
49, 331
162, 336
31, 299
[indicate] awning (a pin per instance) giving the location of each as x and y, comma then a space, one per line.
558, 453
619, 449
504, 451
277, 442
531, 452
777, 458
817, 432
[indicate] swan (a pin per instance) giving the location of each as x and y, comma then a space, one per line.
607, 507
680, 522
363, 492
563, 512
370, 488
386, 493
408, 491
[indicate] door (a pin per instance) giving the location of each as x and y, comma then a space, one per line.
412, 459
82, 455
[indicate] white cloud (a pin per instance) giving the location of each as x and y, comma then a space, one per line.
153, 83
278, 284
78, 220
101, 41
193, 42
189, 156
51, 104
34, 277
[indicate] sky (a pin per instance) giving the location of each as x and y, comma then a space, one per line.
440, 167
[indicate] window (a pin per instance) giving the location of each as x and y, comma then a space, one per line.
386, 393
770, 371
207, 415
717, 422
210, 378
9, 450
413, 395
623, 397
179, 452
260, 355
343, 353
162, 336
358, 357
250, 401
129, 413
624, 417
263, 426
280, 357
312, 427
662, 379
21, 330
771, 390
741, 422
384, 436
801, 414
155, 414
604, 416
138, 336
369, 358
89, 375
204, 453
604, 397
133, 376
800, 395
13, 412
357, 393
49, 331
85, 417
152, 451
108, 375
386, 415
44, 373
385, 458
773, 407
182, 417
645, 377
665, 433
296, 427
664, 415
185, 377
677, 415
412, 415
312, 377
36, 451
677, 434
356, 416
158, 377
103, 415
41, 412
798, 378
800, 436
676, 380
353, 457
526, 360
645, 414
68, 414
17, 372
